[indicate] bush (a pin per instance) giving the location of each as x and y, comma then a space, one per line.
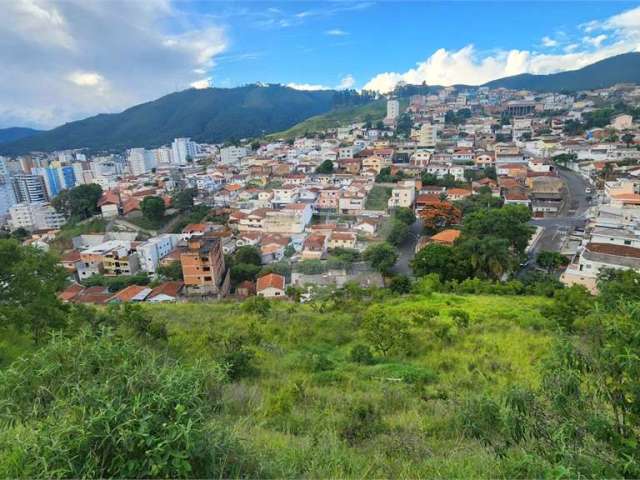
363, 421
87, 407
361, 354
460, 318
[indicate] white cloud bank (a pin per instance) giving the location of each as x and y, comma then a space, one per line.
345, 83
466, 66
66, 59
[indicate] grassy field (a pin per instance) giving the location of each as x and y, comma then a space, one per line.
306, 408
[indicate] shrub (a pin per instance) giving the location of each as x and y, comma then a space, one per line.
361, 354
363, 421
105, 407
460, 317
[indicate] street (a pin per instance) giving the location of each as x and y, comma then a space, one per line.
571, 216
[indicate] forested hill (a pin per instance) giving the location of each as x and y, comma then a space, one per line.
207, 115
16, 133
623, 68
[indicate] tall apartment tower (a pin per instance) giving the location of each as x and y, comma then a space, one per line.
182, 149
393, 109
428, 135
29, 188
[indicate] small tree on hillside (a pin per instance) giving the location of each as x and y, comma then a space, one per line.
152, 208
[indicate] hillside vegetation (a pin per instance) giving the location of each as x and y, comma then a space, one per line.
373, 112
208, 115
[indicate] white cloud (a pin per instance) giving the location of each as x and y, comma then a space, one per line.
347, 82
336, 32
549, 42
86, 79
203, 83
307, 86
97, 57
466, 66
595, 41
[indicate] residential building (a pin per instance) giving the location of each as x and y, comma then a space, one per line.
393, 109
183, 150
428, 135
232, 155
29, 188
35, 216
203, 267
155, 249
271, 285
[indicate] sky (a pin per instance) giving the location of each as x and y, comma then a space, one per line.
63, 60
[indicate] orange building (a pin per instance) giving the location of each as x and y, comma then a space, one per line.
203, 267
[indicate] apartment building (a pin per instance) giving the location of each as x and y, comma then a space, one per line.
155, 249
35, 216
203, 267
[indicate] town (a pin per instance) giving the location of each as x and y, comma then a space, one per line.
282, 215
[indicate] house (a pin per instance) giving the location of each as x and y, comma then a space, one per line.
314, 247
446, 237
69, 293
343, 240
132, 293
595, 257
109, 204
96, 295
458, 193
367, 226
271, 285
166, 292
246, 289
402, 196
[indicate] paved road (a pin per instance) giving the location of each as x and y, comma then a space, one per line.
571, 216
406, 251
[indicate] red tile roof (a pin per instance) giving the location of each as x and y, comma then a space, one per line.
271, 280
170, 289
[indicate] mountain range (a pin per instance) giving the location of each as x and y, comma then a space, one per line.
216, 115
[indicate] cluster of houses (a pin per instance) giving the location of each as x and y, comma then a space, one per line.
298, 199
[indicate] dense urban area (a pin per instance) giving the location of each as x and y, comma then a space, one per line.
440, 282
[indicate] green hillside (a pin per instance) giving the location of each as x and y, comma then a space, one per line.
623, 68
373, 111
207, 115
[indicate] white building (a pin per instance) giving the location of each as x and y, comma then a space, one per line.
140, 161
393, 109
155, 249
163, 155
7, 195
231, 154
428, 135
35, 216
183, 149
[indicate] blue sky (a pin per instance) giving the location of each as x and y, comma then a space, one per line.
270, 42
67, 59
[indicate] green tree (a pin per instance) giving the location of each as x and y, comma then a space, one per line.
509, 222
30, 280
171, 271
381, 256
241, 272
78, 202
488, 257
551, 260
617, 286
325, 167
248, 254
152, 208
405, 215
628, 139
183, 200
569, 304
398, 233
400, 284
